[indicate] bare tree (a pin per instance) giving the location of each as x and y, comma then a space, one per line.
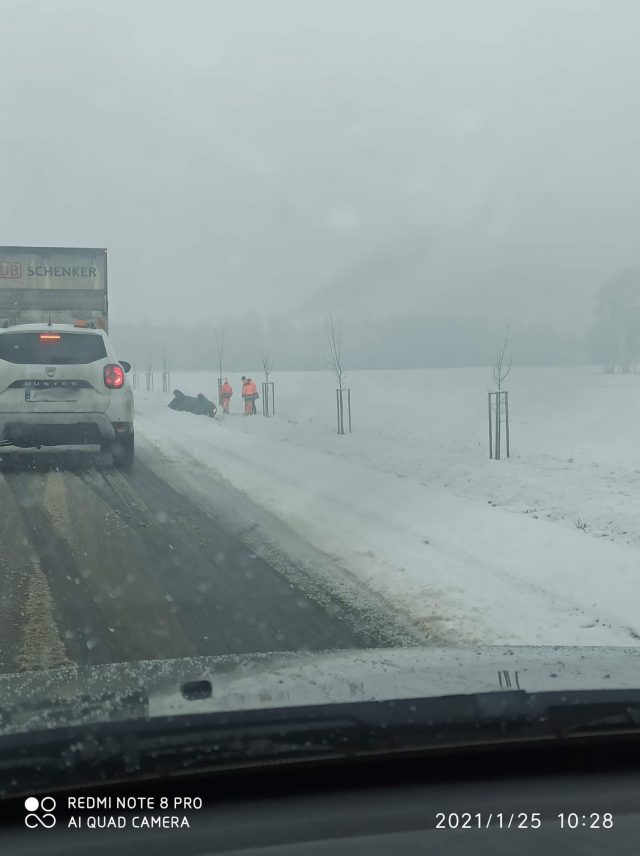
220, 350
220, 347
166, 377
504, 359
149, 373
499, 400
333, 345
267, 364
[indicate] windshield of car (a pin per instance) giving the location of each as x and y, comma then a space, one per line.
44, 347
375, 268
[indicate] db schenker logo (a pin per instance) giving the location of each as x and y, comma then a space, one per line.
39, 812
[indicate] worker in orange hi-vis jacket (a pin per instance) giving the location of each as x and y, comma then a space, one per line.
249, 396
254, 396
245, 395
226, 391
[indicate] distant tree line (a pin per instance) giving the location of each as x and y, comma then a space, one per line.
614, 339
395, 343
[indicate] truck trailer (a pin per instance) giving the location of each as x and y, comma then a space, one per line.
61, 284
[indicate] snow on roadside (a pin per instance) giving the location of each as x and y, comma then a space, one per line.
409, 502
575, 451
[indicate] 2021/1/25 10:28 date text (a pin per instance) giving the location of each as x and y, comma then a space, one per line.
522, 820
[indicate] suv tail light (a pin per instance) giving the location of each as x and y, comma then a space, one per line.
113, 376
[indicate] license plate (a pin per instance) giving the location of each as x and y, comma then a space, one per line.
52, 390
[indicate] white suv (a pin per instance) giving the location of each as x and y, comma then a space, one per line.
62, 385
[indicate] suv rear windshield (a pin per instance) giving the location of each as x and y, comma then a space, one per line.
68, 349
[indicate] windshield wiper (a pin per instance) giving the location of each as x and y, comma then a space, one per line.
595, 717
165, 746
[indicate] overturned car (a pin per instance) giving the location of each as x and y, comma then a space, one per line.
199, 404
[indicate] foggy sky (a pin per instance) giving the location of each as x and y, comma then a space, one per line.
370, 158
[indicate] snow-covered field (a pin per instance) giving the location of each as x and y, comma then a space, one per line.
543, 548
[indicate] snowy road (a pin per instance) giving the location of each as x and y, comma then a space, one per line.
264, 535
98, 567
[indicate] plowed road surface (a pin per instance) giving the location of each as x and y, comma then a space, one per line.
100, 566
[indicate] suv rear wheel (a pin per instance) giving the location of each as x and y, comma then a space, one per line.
121, 450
